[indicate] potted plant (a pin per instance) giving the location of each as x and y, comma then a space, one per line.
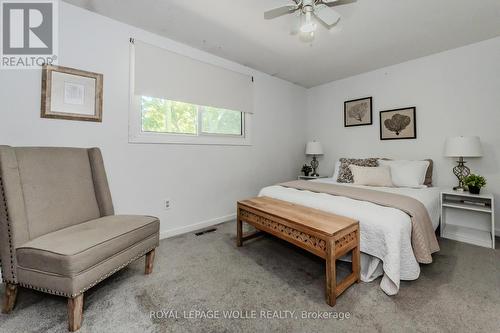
474, 183
306, 169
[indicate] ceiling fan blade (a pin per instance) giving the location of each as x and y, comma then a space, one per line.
327, 15
284, 7
332, 3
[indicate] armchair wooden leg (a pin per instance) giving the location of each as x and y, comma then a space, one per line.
75, 313
150, 257
10, 298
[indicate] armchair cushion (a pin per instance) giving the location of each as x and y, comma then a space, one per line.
70, 251
58, 188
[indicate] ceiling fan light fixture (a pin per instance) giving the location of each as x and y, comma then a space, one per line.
307, 37
304, 10
308, 26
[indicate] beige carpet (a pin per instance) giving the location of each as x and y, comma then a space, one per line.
459, 292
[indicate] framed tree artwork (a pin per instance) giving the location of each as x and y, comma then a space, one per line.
71, 94
358, 112
398, 124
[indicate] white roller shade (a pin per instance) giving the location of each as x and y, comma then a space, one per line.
164, 74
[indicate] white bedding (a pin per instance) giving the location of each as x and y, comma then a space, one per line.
385, 235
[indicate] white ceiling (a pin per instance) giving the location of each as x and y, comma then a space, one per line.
371, 34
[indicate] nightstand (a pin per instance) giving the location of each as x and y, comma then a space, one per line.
468, 218
310, 177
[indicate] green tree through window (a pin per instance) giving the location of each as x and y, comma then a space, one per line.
165, 116
160, 115
220, 121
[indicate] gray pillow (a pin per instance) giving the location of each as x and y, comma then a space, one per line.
428, 175
345, 174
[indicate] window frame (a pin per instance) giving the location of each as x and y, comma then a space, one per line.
137, 135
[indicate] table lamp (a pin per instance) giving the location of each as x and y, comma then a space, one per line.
314, 149
462, 146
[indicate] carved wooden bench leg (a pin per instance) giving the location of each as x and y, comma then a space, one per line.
239, 232
240, 237
10, 298
356, 260
75, 313
150, 258
331, 274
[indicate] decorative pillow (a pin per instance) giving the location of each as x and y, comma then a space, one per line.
428, 175
407, 173
345, 174
371, 176
336, 170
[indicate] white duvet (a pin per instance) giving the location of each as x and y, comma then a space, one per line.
385, 233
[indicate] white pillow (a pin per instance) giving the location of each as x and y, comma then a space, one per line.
407, 173
336, 171
371, 176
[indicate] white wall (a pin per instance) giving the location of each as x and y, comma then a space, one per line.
456, 93
203, 182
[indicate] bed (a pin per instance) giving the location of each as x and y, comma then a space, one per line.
385, 242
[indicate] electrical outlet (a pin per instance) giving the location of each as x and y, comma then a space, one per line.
167, 204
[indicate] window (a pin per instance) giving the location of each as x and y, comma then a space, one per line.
164, 116
182, 100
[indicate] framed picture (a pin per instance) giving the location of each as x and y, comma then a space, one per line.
398, 124
71, 94
358, 112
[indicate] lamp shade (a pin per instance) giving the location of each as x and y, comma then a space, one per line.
314, 148
463, 146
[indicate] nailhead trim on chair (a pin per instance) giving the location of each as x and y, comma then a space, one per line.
48, 291
9, 234
60, 293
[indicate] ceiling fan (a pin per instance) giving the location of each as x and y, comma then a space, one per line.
304, 10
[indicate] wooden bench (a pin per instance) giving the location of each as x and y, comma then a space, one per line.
326, 235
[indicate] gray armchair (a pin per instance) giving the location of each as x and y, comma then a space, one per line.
58, 231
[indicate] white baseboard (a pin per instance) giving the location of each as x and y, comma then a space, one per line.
197, 226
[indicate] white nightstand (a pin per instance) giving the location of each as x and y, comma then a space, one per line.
310, 177
469, 218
